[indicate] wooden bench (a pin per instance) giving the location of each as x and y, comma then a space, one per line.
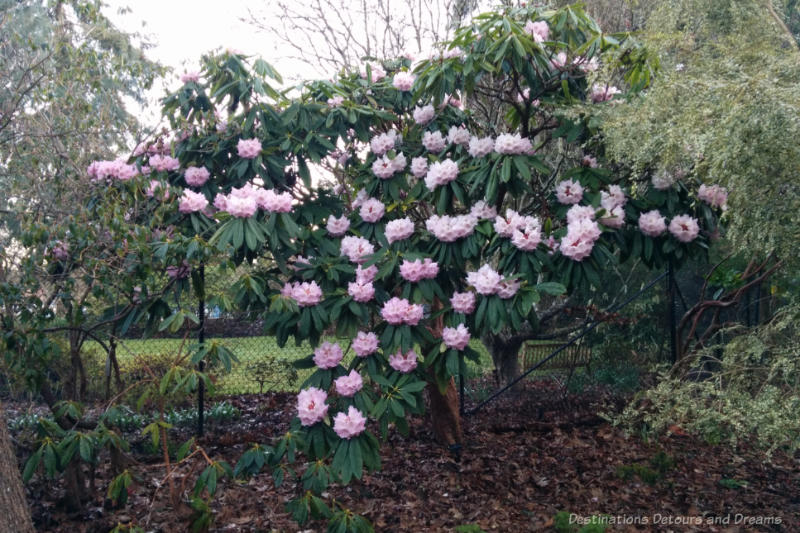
574, 355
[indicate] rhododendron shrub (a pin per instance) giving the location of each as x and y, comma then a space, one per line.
433, 227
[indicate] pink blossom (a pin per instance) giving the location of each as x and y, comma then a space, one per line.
480, 147
614, 197
372, 210
60, 250
457, 337
403, 363
349, 385
483, 211
569, 192
154, 186
684, 228
539, 30
399, 163
559, 60
417, 270
307, 293
361, 292
603, 93
515, 144
241, 206
527, 237
337, 226
451, 228
335, 101
191, 202
349, 425
248, 148
433, 141
403, 81
196, 176
713, 195
441, 173
328, 355
288, 290
458, 135
398, 311
163, 163
463, 302
614, 218
190, 77
365, 343
366, 275
356, 248
377, 72
652, 223
579, 241
311, 406
453, 53
382, 143
423, 115
486, 280
273, 202
383, 168
579, 212
662, 180
419, 166
398, 230
589, 161
507, 289
505, 226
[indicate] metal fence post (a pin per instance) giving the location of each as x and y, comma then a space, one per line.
201, 337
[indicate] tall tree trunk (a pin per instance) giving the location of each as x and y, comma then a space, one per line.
14, 513
505, 356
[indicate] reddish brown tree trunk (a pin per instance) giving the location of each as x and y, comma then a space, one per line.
14, 514
445, 415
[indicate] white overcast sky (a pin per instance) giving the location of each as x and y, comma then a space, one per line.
183, 30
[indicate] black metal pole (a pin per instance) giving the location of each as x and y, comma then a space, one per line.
201, 337
673, 331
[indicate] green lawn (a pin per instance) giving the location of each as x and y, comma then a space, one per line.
253, 352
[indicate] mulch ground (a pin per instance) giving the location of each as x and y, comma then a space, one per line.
524, 460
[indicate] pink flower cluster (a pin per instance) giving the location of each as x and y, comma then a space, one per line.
613, 201
458, 135
603, 93
483, 211
328, 355
684, 228
486, 280
515, 144
384, 167
191, 202
372, 210
403, 81
441, 173
244, 201
539, 30
365, 343
480, 146
349, 425
419, 167
418, 270
305, 294
424, 114
582, 233
190, 77
463, 302
400, 311
349, 385
311, 406
404, 363
433, 141
118, 169
248, 148
528, 236
507, 288
163, 163
377, 72
361, 291
506, 226
382, 143
335, 101
196, 176
451, 228
652, 223
713, 195
356, 248
399, 229
457, 337
154, 186
337, 226
569, 192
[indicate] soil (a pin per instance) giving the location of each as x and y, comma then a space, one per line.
525, 459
